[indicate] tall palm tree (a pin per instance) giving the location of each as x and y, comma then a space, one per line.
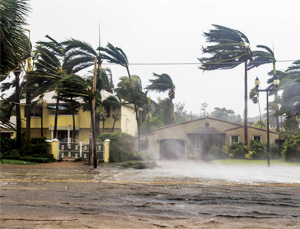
117, 56
164, 83
13, 19
265, 56
49, 69
80, 87
230, 48
254, 96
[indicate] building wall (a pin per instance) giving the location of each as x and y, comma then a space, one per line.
128, 120
180, 132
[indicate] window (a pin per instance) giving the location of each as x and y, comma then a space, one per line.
234, 138
35, 111
256, 138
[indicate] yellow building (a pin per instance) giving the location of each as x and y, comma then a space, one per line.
43, 114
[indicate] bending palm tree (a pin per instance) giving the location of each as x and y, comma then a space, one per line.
161, 84
265, 57
231, 48
117, 56
48, 70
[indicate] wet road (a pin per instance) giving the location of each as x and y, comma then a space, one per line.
73, 195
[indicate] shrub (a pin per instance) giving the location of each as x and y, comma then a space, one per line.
120, 146
11, 154
238, 150
275, 151
7, 144
259, 151
291, 148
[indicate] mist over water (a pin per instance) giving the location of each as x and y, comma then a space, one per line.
229, 173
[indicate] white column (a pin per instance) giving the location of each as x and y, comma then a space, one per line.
80, 149
51, 134
68, 137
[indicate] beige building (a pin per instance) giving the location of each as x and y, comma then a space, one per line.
195, 138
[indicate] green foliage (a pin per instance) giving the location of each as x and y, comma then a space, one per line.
258, 149
227, 115
236, 150
275, 151
120, 146
291, 148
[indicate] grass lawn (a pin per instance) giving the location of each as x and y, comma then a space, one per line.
17, 162
252, 162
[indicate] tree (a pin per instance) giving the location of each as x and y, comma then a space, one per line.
226, 115
264, 57
290, 105
230, 48
164, 83
117, 56
13, 19
80, 87
115, 103
48, 70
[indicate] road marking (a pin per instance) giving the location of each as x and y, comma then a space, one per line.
155, 182
21, 188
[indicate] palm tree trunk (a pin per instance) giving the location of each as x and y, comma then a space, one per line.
136, 111
94, 145
42, 120
18, 110
275, 95
246, 106
28, 114
56, 116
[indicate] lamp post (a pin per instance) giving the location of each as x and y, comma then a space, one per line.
276, 84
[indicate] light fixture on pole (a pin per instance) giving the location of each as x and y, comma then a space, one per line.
276, 84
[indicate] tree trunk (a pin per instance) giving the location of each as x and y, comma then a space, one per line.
28, 114
74, 127
94, 145
42, 120
246, 106
275, 94
97, 123
56, 116
136, 111
18, 111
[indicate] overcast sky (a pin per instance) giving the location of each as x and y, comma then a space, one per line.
171, 31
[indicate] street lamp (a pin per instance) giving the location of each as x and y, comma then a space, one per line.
276, 84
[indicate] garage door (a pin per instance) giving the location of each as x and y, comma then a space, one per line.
172, 149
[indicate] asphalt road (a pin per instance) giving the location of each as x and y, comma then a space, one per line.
73, 195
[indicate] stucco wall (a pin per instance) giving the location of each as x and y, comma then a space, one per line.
180, 132
128, 120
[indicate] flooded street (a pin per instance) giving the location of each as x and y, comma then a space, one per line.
173, 195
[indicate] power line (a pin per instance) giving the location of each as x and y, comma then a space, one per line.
199, 63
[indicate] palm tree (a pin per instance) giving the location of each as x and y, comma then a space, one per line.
80, 87
49, 69
13, 19
264, 57
254, 96
164, 83
291, 90
117, 56
230, 48
115, 103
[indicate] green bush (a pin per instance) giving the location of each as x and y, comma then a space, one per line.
259, 150
238, 150
291, 148
11, 154
7, 144
120, 146
275, 151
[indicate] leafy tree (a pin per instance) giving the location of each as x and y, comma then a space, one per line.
227, 115
164, 83
117, 56
230, 48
